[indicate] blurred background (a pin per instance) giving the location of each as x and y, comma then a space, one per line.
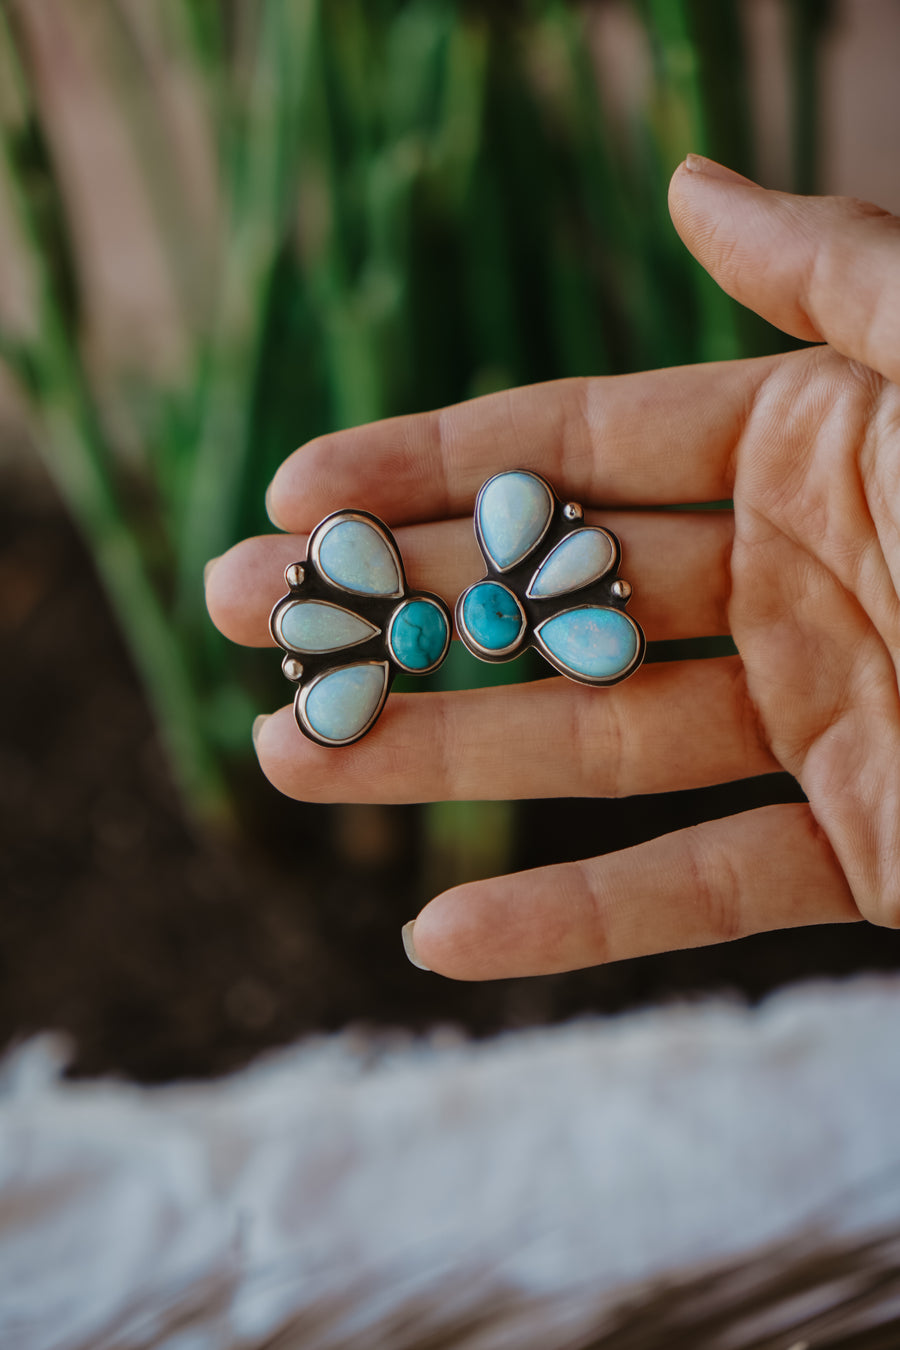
226, 228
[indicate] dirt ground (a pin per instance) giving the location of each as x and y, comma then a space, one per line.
163, 954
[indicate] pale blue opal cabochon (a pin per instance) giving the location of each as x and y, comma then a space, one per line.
583, 556
341, 704
418, 634
353, 554
593, 641
316, 626
491, 616
514, 510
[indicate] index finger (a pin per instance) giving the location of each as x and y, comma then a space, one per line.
661, 437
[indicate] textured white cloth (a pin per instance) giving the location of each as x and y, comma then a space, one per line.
205, 1216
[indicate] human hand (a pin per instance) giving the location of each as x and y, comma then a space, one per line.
804, 574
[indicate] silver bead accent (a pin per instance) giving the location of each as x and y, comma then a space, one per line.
572, 511
294, 575
621, 589
292, 668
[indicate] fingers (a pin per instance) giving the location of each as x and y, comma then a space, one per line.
821, 268
677, 563
676, 725
725, 879
666, 436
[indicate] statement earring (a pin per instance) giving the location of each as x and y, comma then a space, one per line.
551, 584
349, 625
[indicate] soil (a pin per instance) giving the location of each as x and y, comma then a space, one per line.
163, 953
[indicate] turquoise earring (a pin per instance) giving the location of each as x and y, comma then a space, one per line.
349, 625
551, 584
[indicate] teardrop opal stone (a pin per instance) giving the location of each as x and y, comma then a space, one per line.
342, 703
583, 556
513, 512
316, 626
592, 641
356, 556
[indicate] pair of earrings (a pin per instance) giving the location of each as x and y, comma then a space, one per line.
349, 623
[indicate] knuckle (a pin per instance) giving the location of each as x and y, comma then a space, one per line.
716, 888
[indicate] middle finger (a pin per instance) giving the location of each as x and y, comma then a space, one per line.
677, 562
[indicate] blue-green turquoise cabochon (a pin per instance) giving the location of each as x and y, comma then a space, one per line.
592, 641
514, 510
492, 616
418, 634
353, 554
341, 704
316, 626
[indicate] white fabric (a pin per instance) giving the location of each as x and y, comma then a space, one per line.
603, 1151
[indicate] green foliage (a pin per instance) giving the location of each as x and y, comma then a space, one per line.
417, 201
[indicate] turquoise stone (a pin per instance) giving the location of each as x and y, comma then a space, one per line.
492, 616
418, 634
355, 555
599, 643
581, 557
514, 510
342, 703
315, 626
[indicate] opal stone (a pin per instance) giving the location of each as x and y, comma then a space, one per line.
583, 556
492, 616
418, 634
342, 703
514, 510
356, 556
592, 641
316, 626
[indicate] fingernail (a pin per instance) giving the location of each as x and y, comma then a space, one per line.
409, 945
712, 169
207, 571
270, 510
258, 723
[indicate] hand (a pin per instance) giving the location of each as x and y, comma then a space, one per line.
804, 574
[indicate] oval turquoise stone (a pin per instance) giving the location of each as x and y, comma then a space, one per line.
593, 641
419, 634
491, 616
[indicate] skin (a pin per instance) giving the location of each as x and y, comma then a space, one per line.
804, 574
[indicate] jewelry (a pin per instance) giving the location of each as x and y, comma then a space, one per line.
349, 625
551, 584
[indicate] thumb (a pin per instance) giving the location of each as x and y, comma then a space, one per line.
826, 269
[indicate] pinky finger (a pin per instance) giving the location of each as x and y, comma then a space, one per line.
765, 869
